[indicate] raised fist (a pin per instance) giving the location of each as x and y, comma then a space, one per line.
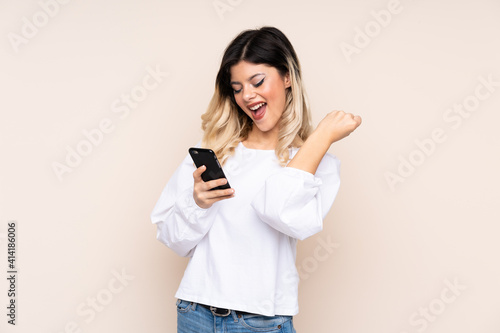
337, 125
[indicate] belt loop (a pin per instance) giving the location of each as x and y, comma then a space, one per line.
235, 317
193, 306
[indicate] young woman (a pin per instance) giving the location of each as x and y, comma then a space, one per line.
241, 275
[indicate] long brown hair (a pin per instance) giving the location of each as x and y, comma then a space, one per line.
225, 124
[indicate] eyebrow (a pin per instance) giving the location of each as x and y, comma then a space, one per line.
249, 79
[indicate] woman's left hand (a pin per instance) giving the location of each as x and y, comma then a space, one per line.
337, 125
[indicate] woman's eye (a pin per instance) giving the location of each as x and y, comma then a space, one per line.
259, 83
236, 91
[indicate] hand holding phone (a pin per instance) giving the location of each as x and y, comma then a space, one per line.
210, 183
207, 157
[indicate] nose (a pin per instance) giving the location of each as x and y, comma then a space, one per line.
248, 94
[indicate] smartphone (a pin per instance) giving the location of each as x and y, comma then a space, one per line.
207, 157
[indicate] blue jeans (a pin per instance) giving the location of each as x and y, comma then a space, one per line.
193, 318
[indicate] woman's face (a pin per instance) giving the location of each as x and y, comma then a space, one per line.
260, 91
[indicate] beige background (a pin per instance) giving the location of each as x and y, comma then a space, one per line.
395, 248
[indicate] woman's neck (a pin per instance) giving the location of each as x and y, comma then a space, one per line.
261, 140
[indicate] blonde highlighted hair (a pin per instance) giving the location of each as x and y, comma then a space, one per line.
225, 125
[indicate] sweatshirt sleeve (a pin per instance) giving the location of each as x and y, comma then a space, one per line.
181, 223
295, 202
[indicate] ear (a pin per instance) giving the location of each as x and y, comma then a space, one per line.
288, 82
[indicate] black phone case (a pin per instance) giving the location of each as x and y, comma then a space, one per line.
206, 157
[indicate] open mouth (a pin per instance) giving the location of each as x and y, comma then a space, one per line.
258, 111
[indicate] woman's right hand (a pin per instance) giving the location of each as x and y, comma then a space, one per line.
202, 194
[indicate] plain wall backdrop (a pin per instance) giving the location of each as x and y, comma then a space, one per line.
100, 101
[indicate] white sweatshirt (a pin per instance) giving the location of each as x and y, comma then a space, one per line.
242, 250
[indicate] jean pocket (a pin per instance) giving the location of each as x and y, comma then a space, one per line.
183, 306
259, 323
